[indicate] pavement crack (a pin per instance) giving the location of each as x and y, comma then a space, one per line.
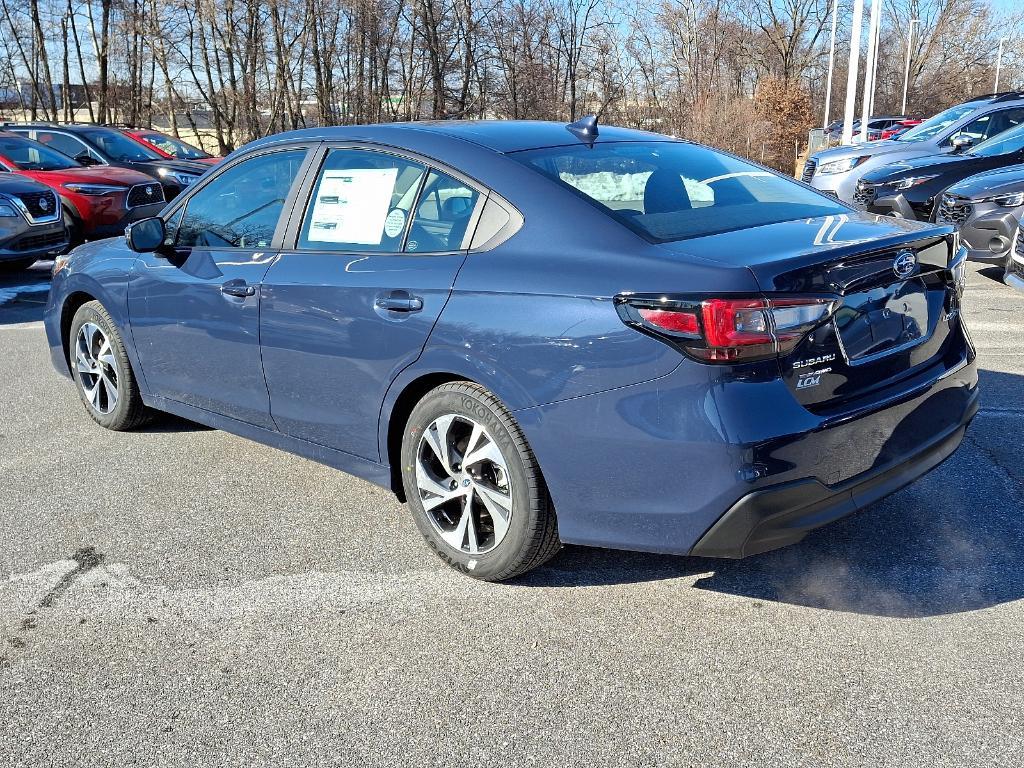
86, 559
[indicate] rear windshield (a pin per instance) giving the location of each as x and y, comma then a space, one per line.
674, 190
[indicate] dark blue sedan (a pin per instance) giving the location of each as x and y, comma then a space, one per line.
537, 333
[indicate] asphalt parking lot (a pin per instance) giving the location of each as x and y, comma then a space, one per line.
182, 597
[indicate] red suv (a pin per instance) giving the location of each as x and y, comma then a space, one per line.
98, 201
170, 147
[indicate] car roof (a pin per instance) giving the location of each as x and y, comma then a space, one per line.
497, 135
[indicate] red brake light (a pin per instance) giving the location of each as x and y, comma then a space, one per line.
727, 329
672, 320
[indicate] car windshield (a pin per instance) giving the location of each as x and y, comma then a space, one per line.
674, 190
175, 147
1002, 143
30, 155
119, 148
933, 126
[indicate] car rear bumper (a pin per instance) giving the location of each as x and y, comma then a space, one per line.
776, 517
655, 467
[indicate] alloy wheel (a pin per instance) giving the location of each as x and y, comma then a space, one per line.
97, 368
464, 484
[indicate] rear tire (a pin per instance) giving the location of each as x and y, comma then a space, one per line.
17, 265
74, 227
474, 486
102, 372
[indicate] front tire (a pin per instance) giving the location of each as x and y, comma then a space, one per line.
102, 372
474, 486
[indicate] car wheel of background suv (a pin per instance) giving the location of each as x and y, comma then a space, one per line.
102, 372
474, 485
74, 226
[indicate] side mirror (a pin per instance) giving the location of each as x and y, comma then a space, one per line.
86, 159
960, 142
145, 235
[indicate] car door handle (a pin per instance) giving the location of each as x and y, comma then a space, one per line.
399, 301
238, 289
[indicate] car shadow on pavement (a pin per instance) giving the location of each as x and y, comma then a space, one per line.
992, 273
23, 294
951, 542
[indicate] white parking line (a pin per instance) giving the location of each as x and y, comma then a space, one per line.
34, 325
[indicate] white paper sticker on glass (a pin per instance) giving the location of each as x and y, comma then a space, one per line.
351, 206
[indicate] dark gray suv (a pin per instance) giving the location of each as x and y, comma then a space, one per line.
31, 224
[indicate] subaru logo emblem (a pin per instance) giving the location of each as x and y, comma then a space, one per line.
904, 264
149, 191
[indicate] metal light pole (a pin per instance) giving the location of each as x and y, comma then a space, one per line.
906, 67
831, 63
851, 71
869, 66
999, 62
874, 68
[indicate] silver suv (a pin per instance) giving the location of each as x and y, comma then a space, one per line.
31, 223
838, 170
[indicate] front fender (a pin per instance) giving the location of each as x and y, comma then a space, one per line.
96, 271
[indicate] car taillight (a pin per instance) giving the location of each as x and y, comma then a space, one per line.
723, 330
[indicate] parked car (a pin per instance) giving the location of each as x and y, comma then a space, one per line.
838, 170
876, 126
98, 145
31, 227
910, 188
1013, 275
168, 146
96, 201
899, 128
536, 335
987, 209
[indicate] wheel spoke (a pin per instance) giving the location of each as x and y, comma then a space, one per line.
83, 364
457, 536
498, 506
486, 452
92, 394
436, 437
439, 491
474, 545
111, 389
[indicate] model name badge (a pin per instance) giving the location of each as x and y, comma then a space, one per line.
813, 361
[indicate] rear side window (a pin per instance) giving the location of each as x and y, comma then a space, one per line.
361, 202
442, 216
673, 190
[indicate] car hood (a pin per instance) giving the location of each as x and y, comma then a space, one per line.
914, 166
791, 246
184, 166
93, 175
17, 184
995, 182
860, 150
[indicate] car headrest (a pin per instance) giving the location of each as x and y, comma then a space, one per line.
665, 192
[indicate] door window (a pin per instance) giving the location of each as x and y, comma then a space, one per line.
69, 145
442, 215
361, 202
987, 126
240, 208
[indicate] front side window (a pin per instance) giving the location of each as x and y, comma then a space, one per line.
990, 125
63, 143
240, 208
1002, 143
442, 215
674, 190
361, 202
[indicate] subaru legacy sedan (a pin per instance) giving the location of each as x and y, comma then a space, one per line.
537, 334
